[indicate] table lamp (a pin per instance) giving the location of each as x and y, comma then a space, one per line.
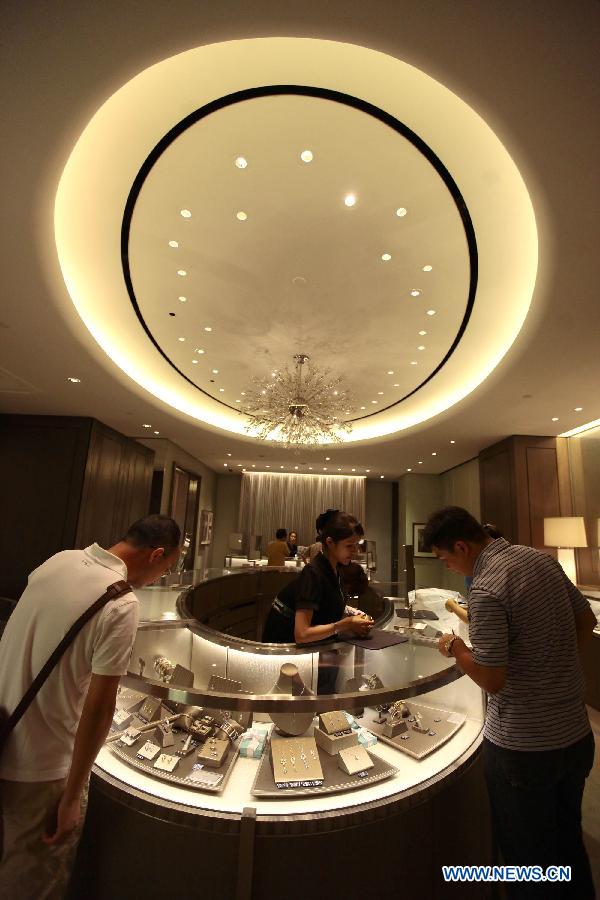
565, 533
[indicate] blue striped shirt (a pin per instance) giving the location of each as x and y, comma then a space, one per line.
522, 610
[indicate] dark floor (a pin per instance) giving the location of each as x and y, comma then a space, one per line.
591, 804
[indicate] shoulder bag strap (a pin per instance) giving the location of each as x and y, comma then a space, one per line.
113, 592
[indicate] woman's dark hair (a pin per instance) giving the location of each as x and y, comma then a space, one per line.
280, 534
492, 531
449, 525
335, 525
154, 531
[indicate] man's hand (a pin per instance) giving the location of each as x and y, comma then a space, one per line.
62, 820
449, 637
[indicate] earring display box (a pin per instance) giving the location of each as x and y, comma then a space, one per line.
427, 729
190, 761
334, 779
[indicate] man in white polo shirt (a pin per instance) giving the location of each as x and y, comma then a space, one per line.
46, 762
527, 624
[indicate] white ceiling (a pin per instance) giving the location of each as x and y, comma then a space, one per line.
530, 73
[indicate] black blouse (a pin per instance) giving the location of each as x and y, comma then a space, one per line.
318, 588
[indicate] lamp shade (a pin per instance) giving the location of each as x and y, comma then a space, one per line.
565, 531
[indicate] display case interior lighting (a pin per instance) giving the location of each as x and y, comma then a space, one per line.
565, 533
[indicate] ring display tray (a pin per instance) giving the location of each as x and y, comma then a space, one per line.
334, 778
418, 745
185, 774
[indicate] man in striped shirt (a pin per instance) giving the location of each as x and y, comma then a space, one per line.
527, 623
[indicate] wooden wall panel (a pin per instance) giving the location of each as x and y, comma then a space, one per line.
497, 489
542, 491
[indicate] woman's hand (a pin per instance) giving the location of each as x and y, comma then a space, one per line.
360, 625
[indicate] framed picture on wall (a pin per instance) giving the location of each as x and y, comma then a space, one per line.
418, 546
206, 526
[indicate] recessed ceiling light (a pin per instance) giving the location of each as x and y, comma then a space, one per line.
363, 407
181, 339
74, 380
415, 292
420, 462
555, 418
310, 467
350, 200
225, 464
380, 393
396, 385
434, 453
181, 272
173, 243
186, 213
327, 458
198, 350
431, 312
354, 470
239, 465
182, 299
215, 371
390, 372
157, 432
400, 212
238, 401
427, 268
335, 393
243, 470
382, 476
373, 401
241, 215
146, 426
339, 470
367, 470
297, 466
194, 362
229, 454
267, 467
243, 393
452, 442
409, 470
306, 156
421, 347
222, 390
578, 409
386, 257
253, 465
207, 328
241, 162
413, 362
324, 468
281, 467
422, 333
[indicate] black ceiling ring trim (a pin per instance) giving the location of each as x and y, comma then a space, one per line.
324, 94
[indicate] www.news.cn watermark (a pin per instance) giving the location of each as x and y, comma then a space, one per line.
506, 873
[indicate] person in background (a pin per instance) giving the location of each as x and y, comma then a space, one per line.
527, 624
292, 543
47, 758
277, 550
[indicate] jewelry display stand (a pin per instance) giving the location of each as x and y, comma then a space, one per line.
334, 779
290, 682
436, 726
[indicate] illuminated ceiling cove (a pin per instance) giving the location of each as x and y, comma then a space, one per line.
243, 202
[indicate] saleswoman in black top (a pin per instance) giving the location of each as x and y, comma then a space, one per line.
312, 607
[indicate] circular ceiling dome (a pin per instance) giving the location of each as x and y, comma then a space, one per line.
371, 220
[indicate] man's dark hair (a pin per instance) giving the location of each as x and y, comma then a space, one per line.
280, 534
449, 525
154, 531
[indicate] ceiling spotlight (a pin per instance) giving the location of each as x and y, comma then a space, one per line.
229, 454
324, 468
222, 390
241, 215
367, 470
452, 442
420, 347
427, 268
297, 466
350, 200
281, 467
243, 393
199, 350
173, 244
431, 312
327, 458
225, 464
339, 470
354, 470
363, 407
373, 401
413, 362
420, 462
555, 418
239, 465
215, 371
194, 362
396, 385
382, 476
380, 393
422, 333
267, 467
578, 409
74, 380
186, 214
386, 257
157, 432
207, 328
400, 212
306, 156
434, 453
181, 272
181, 339
409, 470
390, 372
146, 426
182, 299
241, 162
310, 467
415, 293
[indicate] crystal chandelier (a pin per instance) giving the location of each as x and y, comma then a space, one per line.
302, 407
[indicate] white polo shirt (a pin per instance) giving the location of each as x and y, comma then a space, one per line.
57, 593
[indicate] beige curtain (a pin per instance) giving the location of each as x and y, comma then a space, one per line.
270, 501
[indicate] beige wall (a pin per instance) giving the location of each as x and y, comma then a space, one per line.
228, 492
460, 487
378, 524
